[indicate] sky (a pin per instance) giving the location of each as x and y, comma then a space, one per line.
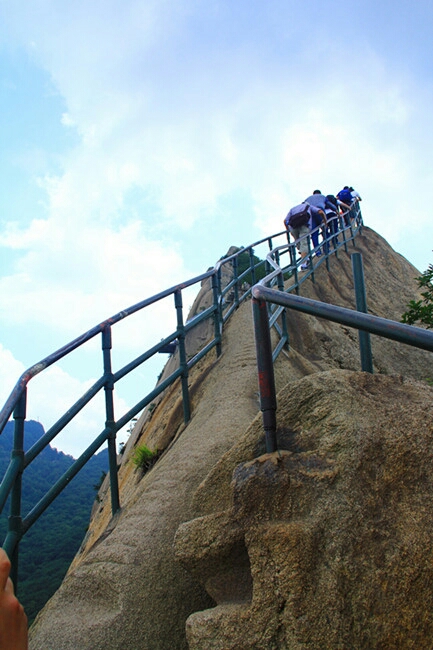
140, 139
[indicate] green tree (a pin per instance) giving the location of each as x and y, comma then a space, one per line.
244, 263
421, 311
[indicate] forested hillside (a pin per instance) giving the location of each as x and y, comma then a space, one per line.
48, 548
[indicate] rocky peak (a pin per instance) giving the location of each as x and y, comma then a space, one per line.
301, 549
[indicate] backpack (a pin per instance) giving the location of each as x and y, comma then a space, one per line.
301, 218
345, 196
331, 198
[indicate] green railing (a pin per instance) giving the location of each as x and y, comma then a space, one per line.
285, 272
264, 299
230, 286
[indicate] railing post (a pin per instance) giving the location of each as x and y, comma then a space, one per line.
109, 422
182, 356
277, 257
216, 291
327, 243
220, 296
284, 330
343, 231
268, 400
252, 267
236, 283
310, 257
292, 252
15, 519
352, 237
361, 305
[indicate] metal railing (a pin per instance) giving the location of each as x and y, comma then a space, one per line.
286, 272
262, 296
227, 281
231, 282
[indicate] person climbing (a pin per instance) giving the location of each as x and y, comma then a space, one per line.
344, 197
355, 195
318, 200
297, 222
332, 218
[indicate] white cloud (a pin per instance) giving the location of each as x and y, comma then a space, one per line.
66, 120
189, 121
10, 371
50, 394
72, 278
205, 128
64, 390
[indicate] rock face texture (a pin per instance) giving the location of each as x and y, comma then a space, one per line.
327, 544
355, 475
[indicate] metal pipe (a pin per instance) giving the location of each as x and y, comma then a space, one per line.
18, 526
216, 315
64, 480
361, 305
15, 520
265, 366
408, 334
182, 356
109, 421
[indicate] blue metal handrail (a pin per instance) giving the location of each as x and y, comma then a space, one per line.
263, 295
228, 292
220, 310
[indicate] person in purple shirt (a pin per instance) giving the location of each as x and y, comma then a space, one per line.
318, 200
297, 222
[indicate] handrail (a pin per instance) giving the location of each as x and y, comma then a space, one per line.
224, 279
228, 292
262, 295
281, 274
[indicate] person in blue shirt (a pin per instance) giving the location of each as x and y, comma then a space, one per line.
318, 200
344, 197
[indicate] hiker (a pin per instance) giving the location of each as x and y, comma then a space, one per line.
297, 222
13, 621
344, 198
355, 194
318, 200
332, 218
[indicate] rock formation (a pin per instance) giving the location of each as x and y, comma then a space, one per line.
301, 545
326, 544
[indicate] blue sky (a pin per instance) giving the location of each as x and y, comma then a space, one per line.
141, 139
